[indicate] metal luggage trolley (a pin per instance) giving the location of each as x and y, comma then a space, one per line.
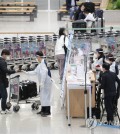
8, 45
17, 58
1, 44
50, 50
14, 92
41, 44
25, 52
33, 47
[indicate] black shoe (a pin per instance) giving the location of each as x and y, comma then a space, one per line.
109, 123
39, 112
45, 114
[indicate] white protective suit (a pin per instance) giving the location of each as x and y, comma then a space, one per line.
45, 82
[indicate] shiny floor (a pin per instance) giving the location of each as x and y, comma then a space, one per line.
27, 121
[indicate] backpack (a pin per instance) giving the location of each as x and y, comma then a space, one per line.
99, 13
116, 69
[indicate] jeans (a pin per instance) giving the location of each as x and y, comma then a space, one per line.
3, 96
72, 10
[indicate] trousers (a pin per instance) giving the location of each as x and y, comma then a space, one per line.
61, 64
109, 106
46, 109
3, 96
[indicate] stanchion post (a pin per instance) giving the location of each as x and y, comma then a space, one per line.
85, 91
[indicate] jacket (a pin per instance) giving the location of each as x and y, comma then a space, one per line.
59, 47
108, 83
4, 71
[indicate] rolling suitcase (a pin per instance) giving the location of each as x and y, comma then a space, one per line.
27, 90
100, 23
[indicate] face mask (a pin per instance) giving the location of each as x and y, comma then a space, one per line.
95, 56
37, 60
7, 57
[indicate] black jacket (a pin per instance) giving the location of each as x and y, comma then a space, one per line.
108, 80
3, 70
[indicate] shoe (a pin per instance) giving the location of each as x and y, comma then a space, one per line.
3, 112
39, 112
8, 111
45, 114
109, 123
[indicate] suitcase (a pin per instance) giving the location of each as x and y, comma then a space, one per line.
28, 89
79, 24
100, 23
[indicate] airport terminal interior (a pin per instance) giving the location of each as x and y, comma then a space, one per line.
26, 120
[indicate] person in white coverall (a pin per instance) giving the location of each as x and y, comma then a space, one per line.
45, 82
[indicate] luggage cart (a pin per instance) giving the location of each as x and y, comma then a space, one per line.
41, 44
50, 50
33, 49
25, 53
1, 44
8, 45
14, 93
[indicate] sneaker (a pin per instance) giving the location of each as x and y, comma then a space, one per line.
3, 112
8, 111
39, 112
45, 114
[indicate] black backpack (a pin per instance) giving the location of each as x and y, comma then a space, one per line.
99, 13
116, 69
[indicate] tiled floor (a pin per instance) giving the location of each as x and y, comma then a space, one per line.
26, 121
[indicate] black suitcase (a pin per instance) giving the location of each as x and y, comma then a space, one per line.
79, 24
27, 90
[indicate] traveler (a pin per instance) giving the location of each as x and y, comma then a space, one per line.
79, 15
60, 52
4, 83
108, 84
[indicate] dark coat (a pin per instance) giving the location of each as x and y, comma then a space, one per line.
3, 70
108, 80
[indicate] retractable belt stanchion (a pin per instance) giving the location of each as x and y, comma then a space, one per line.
85, 91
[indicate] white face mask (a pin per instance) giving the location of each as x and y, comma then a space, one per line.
95, 56
7, 57
37, 60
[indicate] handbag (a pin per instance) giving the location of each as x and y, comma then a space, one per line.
65, 48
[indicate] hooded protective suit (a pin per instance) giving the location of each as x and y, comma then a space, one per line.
45, 83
